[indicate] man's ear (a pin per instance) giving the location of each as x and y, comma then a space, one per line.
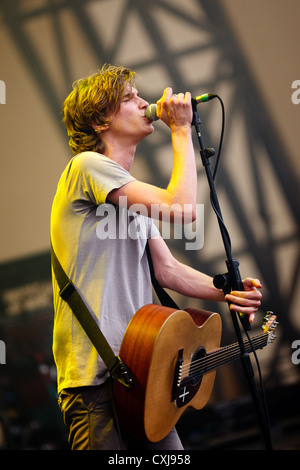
101, 128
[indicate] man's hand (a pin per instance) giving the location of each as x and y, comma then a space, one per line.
175, 109
248, 301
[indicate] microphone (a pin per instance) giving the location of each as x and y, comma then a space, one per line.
150, 112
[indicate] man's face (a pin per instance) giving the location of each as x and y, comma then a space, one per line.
130, 123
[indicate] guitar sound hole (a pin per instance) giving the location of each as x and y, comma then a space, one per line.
196, 372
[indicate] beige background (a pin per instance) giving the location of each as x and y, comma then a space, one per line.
34, 151
34, 148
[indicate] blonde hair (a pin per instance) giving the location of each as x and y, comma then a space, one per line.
89, 103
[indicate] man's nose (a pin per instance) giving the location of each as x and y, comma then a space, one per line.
143, 103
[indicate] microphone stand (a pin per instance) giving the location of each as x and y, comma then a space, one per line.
231, 281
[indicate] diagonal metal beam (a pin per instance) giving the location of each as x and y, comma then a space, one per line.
10, 10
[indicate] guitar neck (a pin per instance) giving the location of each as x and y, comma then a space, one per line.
230, 353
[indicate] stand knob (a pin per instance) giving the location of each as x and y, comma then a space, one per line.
221, 281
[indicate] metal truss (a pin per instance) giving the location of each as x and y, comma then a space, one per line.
189, 46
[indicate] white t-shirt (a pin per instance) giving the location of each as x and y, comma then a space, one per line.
101, 247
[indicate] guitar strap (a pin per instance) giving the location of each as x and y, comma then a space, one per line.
69, 294
163, 296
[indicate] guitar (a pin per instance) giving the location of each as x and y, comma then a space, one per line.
172, 356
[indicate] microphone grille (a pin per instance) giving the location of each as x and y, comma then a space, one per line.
150, 113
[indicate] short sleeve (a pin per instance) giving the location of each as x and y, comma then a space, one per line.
90, 178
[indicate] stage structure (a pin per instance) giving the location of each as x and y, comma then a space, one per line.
190, 46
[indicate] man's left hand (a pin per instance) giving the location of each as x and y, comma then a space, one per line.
248, 301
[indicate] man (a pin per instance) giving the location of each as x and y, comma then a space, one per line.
105, 119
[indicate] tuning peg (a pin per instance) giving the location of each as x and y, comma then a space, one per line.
266, 319
274, 325
269, 322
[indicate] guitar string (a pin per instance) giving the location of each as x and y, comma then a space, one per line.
234, 354
220, 355
226, 354
209, 365
216, 358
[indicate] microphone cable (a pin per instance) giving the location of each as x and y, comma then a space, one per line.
219, 216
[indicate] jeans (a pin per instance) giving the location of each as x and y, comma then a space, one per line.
89, 416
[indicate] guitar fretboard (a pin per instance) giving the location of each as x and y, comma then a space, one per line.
225, 355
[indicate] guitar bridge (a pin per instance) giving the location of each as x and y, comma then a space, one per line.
177, 375
184, 389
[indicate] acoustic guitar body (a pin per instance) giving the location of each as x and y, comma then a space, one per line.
159, 348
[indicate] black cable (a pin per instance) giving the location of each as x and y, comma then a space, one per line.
221, 136
115, 414
264, 403
263, 394
219, 216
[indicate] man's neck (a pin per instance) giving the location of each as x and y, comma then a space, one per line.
120, 154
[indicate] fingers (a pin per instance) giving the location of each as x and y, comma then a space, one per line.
168, 95
181, 98
251, 317
248, 301
162, 102
250, 296
244, 298
245, 310
168, 92
175, 109
249, 283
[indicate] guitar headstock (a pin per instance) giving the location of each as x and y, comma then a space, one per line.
269, 325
